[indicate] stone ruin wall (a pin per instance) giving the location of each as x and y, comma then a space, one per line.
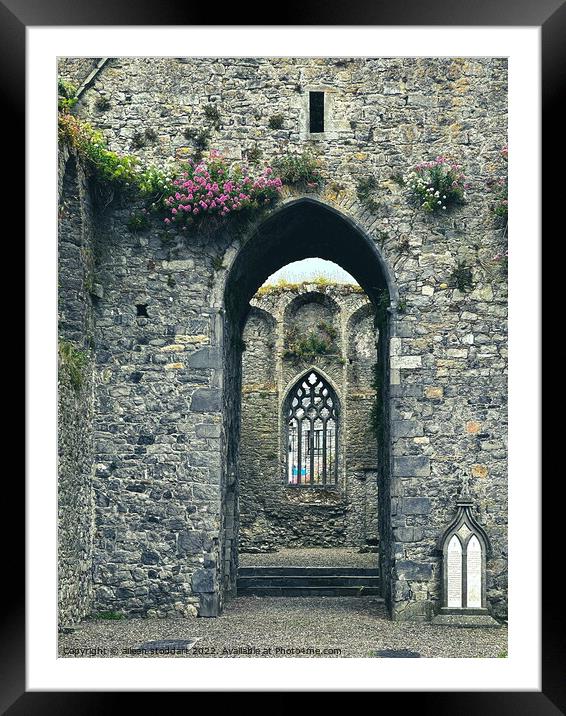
160, 452
75, 531
272, 514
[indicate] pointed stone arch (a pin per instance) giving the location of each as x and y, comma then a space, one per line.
302, 374
299, 228
283, 233
312, 440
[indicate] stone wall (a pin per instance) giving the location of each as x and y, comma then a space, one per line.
160, 475
75, 395
274, 514
167, 383
77, 69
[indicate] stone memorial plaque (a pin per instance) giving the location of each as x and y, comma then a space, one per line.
454, 573
465, 548
473, 573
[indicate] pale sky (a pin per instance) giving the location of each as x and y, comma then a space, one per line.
299, 271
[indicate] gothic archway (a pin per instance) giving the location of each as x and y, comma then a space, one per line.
299, 229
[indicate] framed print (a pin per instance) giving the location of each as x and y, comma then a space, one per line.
274, 427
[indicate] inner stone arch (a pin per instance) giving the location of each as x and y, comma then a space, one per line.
300, 306
300, 229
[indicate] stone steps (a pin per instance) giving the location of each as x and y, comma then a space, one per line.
277, 571
308, 582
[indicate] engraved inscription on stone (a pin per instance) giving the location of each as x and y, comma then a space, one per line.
454, 573
473, 573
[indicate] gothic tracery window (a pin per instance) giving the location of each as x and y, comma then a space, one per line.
312, 430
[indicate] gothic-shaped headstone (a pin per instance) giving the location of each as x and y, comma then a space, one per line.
465, 549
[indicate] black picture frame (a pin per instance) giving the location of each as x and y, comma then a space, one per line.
550, 16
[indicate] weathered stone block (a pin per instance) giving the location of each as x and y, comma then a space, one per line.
150, 557
205, 358
208, 430
178, 265
193, 542
406, 391
196, 326
398, 362
125, 593
413, 571
206, 400
480, 471
209, 605
204, 580
416, 505
435, 393
408, 534
411, 466
417, 611
406, 428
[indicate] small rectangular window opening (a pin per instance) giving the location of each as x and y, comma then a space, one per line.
316, 112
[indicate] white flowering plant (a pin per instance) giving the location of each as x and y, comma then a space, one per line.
437, 185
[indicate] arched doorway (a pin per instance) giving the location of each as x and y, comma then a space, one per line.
299, 229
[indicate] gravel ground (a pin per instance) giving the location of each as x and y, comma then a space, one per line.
260, 627
310, 557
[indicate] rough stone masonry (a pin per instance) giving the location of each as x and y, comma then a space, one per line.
149, 485
274, 514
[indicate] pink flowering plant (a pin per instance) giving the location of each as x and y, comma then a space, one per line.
198, 189
437, 185
498, 187
501, 262
209, 188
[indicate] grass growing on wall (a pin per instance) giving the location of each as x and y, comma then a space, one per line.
321, 282
365, 189
306, 344
74, 361
108, 616
299, 169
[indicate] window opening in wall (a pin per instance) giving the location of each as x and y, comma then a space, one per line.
312, 429
141, 310
316, 112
